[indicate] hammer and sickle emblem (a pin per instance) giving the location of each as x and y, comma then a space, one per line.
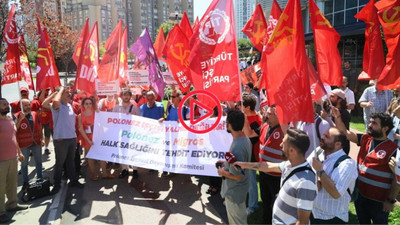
43, 56
325, 22
278, 31
182, 54
259, 35
394, 18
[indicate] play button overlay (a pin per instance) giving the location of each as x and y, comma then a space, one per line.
193, 102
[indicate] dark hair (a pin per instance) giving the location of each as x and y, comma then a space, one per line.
236, 119
249, 100
347, 61
343, 103
386, 120
3, 99
90, 99
299, 140
341, 137
251, 85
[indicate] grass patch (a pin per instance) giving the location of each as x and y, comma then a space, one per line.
357, 122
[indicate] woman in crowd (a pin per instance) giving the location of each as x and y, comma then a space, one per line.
85, 124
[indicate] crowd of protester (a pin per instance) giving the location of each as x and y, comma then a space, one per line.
305, 175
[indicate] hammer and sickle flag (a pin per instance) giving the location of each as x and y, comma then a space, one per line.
177, 50
326, 39
389, 17
46, 71
373, 58
287, 81
256, 28
88, 63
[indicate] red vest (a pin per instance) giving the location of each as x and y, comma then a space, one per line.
25, 136
375, 177
270, 149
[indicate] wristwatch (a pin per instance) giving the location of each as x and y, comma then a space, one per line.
391, 200
319, 173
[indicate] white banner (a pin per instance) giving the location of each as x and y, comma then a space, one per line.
138, 77
169, 78
109, 88
167, 146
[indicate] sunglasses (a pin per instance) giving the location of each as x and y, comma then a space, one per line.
174, 96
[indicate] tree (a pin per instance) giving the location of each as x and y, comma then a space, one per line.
63, 39
244, 46
167, 26
3, 20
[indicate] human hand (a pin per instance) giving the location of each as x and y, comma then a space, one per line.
388, 207
21, 157
316, 164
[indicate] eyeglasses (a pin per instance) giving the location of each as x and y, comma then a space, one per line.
173, 96
88, 103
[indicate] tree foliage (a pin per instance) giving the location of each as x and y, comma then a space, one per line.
63, 38
167, 26
244, 46
3, 20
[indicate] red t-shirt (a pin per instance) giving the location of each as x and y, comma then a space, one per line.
8, 139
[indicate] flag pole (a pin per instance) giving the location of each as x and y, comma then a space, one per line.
20, 97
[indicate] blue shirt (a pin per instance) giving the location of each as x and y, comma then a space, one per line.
64, 122
173, 113
380, 99
156, 112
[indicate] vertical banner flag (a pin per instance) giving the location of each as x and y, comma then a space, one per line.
288, 84
12, 68
213, 58
326, 39
159, 44
123, 66
110, 63
46, 71
196, 22
256, 28
316, 85
389, 17
177, 51
82, 39
185, 26
145, 54
373, 58
26, 72
88, 64
276, 12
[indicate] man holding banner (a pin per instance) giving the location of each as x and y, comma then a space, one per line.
235, 182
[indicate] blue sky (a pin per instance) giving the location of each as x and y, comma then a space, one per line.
200, 7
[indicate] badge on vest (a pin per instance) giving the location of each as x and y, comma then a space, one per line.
24, 126
277, 135
381, 154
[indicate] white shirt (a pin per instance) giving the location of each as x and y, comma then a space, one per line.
344, 176
349, 94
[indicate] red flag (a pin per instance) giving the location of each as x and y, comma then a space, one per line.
251, 74
82, 40
46, 72
86, 73
389, 17
276, 12
256, 28
373, 58
159, 44
326, 39
213, 58
316, 85
288, 84
177, 51
26, 72
196, 22
110, 64
12, 68
123, 66
185, 26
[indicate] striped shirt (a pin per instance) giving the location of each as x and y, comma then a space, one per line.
344, 176
298, 192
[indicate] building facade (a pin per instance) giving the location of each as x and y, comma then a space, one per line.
136, 14
243, 11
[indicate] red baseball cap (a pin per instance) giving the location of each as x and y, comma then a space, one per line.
23, 89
